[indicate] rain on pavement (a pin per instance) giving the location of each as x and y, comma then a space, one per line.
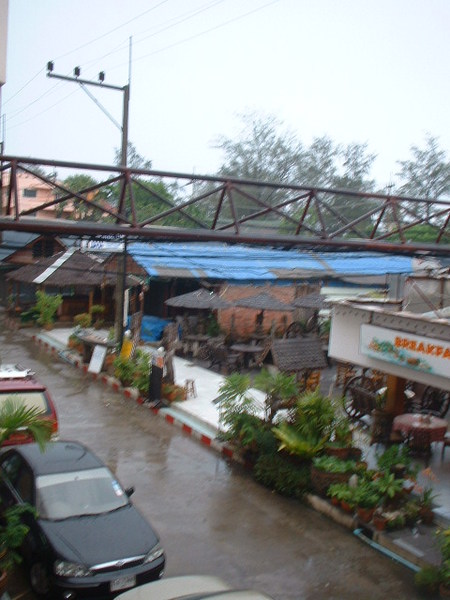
211, 516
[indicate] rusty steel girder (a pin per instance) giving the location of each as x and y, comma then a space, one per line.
141, 204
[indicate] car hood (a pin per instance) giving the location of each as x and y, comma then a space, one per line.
102, 538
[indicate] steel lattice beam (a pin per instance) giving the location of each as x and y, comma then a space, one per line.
224, 209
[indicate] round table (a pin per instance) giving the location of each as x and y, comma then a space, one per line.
420, 431
410, 423
247, 350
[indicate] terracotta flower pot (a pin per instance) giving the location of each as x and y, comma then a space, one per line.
379, 522
427, 515
346, 507
365, 514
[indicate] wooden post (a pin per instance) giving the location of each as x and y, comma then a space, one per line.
395, 398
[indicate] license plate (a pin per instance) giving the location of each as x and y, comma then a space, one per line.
122, 583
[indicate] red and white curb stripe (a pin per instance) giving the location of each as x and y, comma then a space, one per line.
133, 394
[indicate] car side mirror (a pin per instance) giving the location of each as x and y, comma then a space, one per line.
129, 491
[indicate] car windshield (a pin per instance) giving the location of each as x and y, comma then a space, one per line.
90, 492
31, 399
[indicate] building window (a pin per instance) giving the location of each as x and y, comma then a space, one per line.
27, 193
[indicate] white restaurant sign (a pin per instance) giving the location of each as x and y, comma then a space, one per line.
405, 349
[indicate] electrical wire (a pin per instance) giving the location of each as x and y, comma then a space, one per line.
201, 33
43, 111
184, 17
112, 30
181, 19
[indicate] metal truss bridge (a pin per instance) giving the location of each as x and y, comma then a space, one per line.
148, 205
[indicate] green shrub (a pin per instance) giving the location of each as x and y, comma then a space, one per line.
212, 327
332, 464
47, 307
134, 371
276, 473
428, 579
394, 456
83, 320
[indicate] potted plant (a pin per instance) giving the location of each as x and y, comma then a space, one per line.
426, 501
281, 390
310, 427
367, 498
397, 460
379, 519
326, 470
381, 421
82, 320
341, 442
390, 489
96, 311
411, 510
395, 519
342, 495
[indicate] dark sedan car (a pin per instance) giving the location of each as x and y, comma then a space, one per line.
87, 539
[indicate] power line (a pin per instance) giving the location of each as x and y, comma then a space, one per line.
23, 87
184, 17
44, 111
112, 30
181, 19
201, 33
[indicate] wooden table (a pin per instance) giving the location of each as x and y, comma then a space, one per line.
247, 350
420, 430
192, 342
90, 340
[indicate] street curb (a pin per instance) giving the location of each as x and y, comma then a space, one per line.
131, 393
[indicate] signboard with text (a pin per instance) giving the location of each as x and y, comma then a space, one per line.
406, 349
97, 359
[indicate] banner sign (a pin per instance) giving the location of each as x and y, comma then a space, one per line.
406, 349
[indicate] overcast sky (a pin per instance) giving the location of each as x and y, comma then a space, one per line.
367, 71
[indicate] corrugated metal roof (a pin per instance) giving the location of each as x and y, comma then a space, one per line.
298, 354
78, 269
243, 263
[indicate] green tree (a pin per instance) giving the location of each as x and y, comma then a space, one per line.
427, 173
356, 164
134, 159
266, 152
151, 195
84, 185
263, 151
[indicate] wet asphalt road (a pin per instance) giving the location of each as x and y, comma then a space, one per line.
211, 516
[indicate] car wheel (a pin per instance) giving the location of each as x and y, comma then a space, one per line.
39, 579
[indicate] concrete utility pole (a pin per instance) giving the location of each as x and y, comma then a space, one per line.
121, 270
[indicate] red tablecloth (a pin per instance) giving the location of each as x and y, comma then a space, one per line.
411, 423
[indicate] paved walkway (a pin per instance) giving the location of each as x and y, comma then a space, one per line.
199, 416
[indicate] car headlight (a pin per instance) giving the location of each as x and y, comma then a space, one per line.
70, 569
154, 553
